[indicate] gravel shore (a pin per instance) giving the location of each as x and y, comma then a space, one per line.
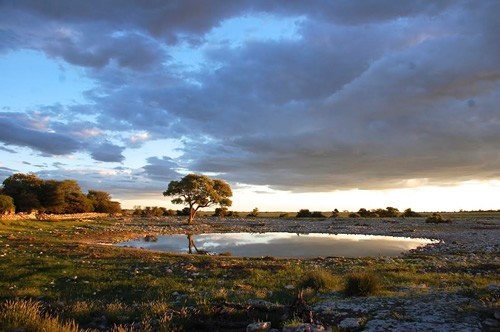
473, 236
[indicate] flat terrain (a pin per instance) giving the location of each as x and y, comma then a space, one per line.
72, 271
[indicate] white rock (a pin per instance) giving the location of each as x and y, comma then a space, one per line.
257, 327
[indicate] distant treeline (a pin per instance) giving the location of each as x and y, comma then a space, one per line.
28, 193
389, 212
159, 211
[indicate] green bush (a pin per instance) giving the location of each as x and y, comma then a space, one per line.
436, 218
362, 284
354, 215
183, 212
316, 280
220, 212
304, 213
6, 204
408, 213
254, 213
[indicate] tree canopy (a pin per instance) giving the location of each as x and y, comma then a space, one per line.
24, 190
199, 191
30, 193
101, 202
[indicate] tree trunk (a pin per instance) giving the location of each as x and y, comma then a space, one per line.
191, 215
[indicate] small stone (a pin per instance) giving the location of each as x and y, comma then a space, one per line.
257, 327
350, 323
490, 323
289, 286
497, 313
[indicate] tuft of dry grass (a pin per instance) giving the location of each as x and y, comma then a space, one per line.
362, 284
318, 279
27, 315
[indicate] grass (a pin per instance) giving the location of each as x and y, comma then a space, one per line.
362, 284
318, 280
52, 273
28, 315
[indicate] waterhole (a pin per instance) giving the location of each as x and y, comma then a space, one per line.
285, 245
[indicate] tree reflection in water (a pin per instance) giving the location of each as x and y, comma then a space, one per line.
192, 245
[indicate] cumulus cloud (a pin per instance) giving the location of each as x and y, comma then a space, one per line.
120, 183
367, 94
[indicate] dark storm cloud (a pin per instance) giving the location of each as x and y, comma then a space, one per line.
3, 148
14, 133
161, 169
5, 172
367, 94
107, 152
162, 19
396, 110
130, 51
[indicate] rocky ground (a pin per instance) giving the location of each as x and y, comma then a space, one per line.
465, 246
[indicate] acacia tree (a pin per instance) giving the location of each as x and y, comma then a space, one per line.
199, 191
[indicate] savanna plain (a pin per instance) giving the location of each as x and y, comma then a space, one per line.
67, 275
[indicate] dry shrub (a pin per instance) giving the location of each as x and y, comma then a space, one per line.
436, 218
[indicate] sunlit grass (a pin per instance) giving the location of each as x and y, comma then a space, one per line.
27, 315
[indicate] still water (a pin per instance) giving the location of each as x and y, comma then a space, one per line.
288, 245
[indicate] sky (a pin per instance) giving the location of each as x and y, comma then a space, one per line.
297, 104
